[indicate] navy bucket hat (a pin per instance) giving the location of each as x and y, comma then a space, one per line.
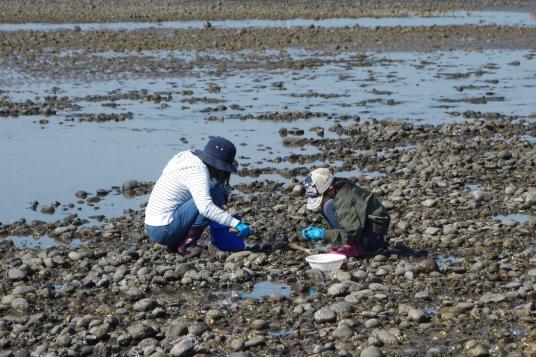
219, 153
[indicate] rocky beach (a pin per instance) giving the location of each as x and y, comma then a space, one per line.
428, 104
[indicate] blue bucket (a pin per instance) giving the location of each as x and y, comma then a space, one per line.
225, 240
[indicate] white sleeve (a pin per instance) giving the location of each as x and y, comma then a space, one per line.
198, 185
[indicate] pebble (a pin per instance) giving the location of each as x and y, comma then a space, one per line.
17, 274
492, 298
385, 337
478, 351
371, 323
325, 315
139, 331
145, 304
255, 341
416, 315
20, 304
184, 347
371, 351
259, 324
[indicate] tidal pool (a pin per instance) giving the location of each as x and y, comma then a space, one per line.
480, 18
50, 162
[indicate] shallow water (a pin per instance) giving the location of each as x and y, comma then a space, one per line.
50, 162
519, 218
264, 289
444, 261
480, 18
42, 242
473, 186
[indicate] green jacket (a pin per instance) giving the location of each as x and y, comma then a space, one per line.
357, 209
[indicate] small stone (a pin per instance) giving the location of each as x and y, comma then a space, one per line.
184, 347
478, 351
177, 328
254, 341
325, 315
145, 304
259, 324
20, 304
81, 194
237, 344
492, 297
386, 337
371, 351
342, 332
429, 203
134, 293
16, 274
416, 315
371, 323
139, 331
130, 185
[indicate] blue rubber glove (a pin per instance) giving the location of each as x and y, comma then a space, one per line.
313, 233
243, 230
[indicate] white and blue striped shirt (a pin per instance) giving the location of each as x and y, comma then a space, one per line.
184, 177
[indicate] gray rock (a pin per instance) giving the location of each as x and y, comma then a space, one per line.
357, 296
259, 324
338, 289
429, 202
134, 294
177, 328
60, 230
17, 274
371, 351
422, 295
139, 331
492, 298
371, 323
342, 307
74, 256
238, 256
185, 347
22, 290
416, 315
145, 304
20, 304
325, 315
386, 337
81, 194
130, 185
254, 341
342, 332
478, 351
237, 344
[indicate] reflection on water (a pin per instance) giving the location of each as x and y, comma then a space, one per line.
519, 218
264, 289
481, 18
42, 242
63, 156
444, 261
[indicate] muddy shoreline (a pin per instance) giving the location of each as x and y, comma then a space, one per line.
30, 44
110, 11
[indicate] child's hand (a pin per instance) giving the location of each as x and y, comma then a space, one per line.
313, 233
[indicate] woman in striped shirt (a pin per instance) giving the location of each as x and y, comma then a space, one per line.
189, 193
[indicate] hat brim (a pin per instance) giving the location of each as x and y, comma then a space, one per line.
217, 163
314, 203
